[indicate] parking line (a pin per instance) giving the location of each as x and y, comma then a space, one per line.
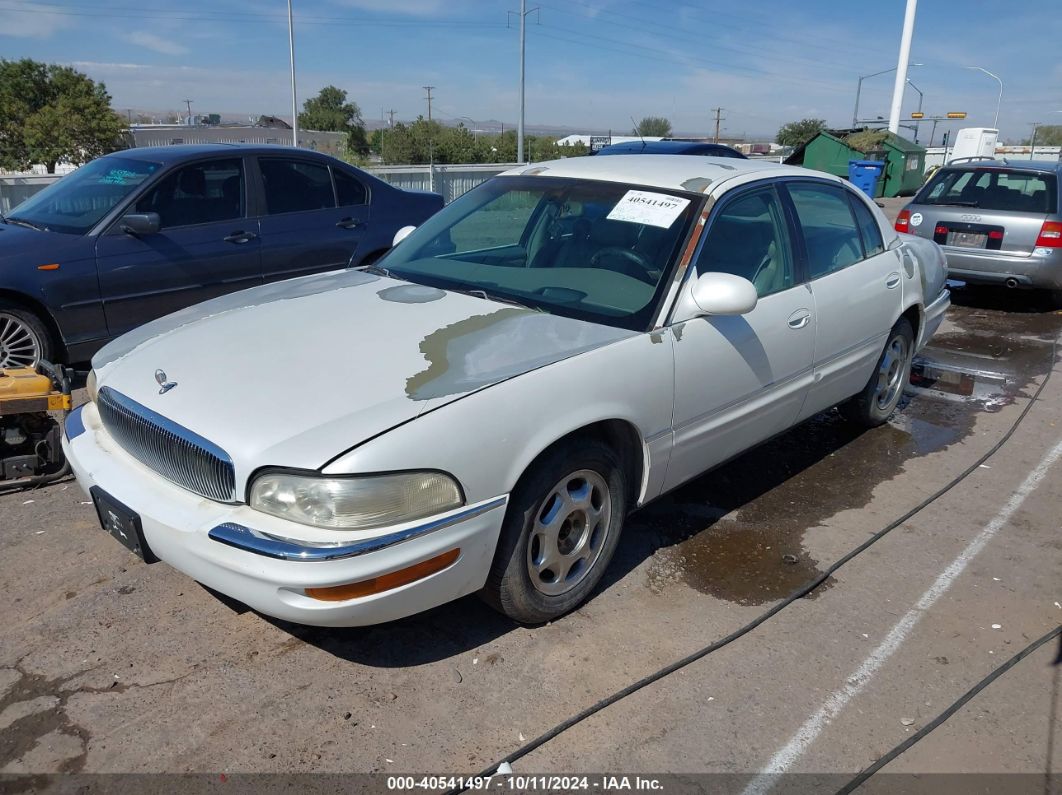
784, 759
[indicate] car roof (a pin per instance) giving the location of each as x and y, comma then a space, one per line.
1042, 166
665, 147
692, 173
180, 152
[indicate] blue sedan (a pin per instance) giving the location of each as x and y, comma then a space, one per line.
141, 233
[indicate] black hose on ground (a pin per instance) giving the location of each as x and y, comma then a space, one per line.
803, 591
943, 716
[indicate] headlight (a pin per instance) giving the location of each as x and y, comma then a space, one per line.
357, 502
90, 386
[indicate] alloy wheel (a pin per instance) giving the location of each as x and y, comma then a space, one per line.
892, 372
19, 344
569, 532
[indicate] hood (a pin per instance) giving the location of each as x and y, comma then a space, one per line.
20, 243
295, 373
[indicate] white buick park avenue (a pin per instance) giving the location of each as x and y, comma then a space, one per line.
481, 409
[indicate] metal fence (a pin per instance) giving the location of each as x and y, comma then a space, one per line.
450, 181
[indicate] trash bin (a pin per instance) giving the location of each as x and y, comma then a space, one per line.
866, 175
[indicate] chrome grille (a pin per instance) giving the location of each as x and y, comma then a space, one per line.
180, 456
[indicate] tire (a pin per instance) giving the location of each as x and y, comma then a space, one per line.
24, 339
877, 401
521, 583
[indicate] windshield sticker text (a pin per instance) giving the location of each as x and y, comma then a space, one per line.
645, 207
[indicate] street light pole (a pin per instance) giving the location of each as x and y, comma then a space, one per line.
901, 66
921, 96
859, 88
294, 102
999, 100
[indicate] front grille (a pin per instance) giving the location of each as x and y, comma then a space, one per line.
180, 456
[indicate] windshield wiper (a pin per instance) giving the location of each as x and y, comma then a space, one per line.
477, 292
27, 224
959, 204
378, 270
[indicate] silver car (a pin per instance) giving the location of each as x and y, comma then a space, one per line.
479, 411
998, 222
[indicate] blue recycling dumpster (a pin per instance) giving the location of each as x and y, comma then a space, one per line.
866, 175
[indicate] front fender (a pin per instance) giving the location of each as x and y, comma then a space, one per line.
489, 438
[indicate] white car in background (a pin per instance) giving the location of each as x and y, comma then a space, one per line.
480, 410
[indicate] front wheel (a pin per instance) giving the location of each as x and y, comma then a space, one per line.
560, 532
24, 339
879, 397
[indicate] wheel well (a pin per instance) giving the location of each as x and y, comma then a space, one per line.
914, 317
23, 301
622, 437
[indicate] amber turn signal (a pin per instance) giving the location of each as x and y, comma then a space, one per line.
51, 266
385, 582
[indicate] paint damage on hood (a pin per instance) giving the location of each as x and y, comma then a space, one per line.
294, 373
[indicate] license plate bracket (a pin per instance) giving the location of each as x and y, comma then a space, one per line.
123, 523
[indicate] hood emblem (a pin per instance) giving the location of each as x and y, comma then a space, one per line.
164, 385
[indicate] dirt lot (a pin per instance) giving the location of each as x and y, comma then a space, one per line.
111, 666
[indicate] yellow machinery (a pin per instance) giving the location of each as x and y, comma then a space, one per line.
31, 449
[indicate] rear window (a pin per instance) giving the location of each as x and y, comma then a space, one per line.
992, 189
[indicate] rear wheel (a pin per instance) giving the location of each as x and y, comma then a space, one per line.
879, 397
24, 338
560, 532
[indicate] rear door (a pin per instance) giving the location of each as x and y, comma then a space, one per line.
856, 285
206, 246
309, 222
985, 209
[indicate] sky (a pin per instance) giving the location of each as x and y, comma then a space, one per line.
591, 64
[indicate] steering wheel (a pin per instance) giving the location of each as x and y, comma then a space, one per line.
626, 256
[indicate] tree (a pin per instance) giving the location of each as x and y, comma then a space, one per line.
51, 113
796, 133
653, 126
1047, 135
329, 111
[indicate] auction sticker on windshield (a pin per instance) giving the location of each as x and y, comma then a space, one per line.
646, 207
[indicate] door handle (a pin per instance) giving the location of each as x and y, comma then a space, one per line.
799, 319
892, 281
239, 237
349, 223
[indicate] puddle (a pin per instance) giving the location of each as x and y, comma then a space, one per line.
738, 533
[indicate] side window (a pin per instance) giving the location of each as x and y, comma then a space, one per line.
868, 227
747, 238
349, 190
830, 232
201, 193
293, 186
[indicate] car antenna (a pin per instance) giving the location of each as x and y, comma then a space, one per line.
638, 132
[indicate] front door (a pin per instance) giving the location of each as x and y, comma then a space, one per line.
309, 226
742, 379
205, 247
856, 284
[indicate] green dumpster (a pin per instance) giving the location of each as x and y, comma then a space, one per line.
831, 151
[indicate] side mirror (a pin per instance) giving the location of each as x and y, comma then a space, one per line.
723, 294
141, 223
402, 234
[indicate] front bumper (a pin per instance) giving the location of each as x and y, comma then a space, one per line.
266, 562
1040, 270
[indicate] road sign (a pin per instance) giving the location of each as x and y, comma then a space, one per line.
599, 142
957, 115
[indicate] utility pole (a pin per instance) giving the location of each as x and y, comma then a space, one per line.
429, 90
294, 102
188, 104
718, 119
391, 114
523, 12
901, 66
1032, 140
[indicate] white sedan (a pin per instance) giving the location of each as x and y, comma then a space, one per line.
480, 410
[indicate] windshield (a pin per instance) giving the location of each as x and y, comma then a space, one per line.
595, 251
992, 189
76, 203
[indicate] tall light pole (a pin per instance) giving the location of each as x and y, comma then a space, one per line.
859, 88
921, 96
523, 12
294, 101
999, 100
901, 66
